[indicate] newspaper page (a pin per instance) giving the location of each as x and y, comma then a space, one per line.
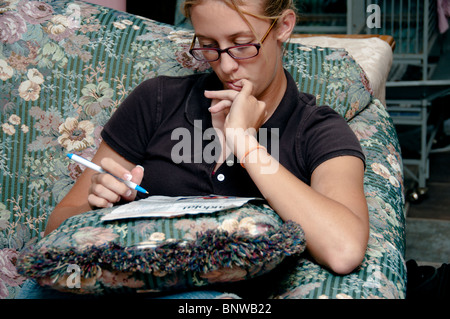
165, 206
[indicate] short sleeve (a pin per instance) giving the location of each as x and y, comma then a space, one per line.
130, 128
323, 135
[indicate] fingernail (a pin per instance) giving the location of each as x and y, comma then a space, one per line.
128, 193
127, 177
143, 169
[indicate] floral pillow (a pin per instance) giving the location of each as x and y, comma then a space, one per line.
86, 255
332, 75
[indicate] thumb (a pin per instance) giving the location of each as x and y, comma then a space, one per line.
138, 174
247, 87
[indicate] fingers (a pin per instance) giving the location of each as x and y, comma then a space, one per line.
106, 190
114, 168
137, 176
224, 99
220, 106
233, 109
247, 87
229, 95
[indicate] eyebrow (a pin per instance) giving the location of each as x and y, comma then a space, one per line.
231, 36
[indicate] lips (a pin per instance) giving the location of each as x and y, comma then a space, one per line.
234, 85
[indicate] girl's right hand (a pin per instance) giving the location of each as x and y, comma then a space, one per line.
93, 190
106, 190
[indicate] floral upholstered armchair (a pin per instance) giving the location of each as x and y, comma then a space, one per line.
65, 66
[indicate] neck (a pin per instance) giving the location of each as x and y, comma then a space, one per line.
273, 95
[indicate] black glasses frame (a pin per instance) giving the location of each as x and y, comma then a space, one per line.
227, 50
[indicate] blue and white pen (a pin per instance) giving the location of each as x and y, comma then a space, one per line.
97, 168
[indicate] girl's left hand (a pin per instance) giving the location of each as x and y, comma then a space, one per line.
236, 112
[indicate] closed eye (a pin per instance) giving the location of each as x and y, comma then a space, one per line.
208, 45
238, 41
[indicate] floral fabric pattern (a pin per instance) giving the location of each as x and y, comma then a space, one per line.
332, 75
65, 66
160, 254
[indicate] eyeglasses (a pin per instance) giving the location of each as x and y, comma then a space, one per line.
238, 52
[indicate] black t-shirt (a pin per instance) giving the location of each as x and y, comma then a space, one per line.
165, 126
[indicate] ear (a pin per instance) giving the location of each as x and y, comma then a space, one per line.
286, 24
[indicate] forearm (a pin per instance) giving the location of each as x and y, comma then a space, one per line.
336, 236
97, 190
61, 213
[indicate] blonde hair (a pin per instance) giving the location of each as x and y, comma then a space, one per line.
272, 9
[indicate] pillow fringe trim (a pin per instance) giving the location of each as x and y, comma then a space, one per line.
212, 250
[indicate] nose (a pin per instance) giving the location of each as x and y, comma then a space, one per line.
228, 64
